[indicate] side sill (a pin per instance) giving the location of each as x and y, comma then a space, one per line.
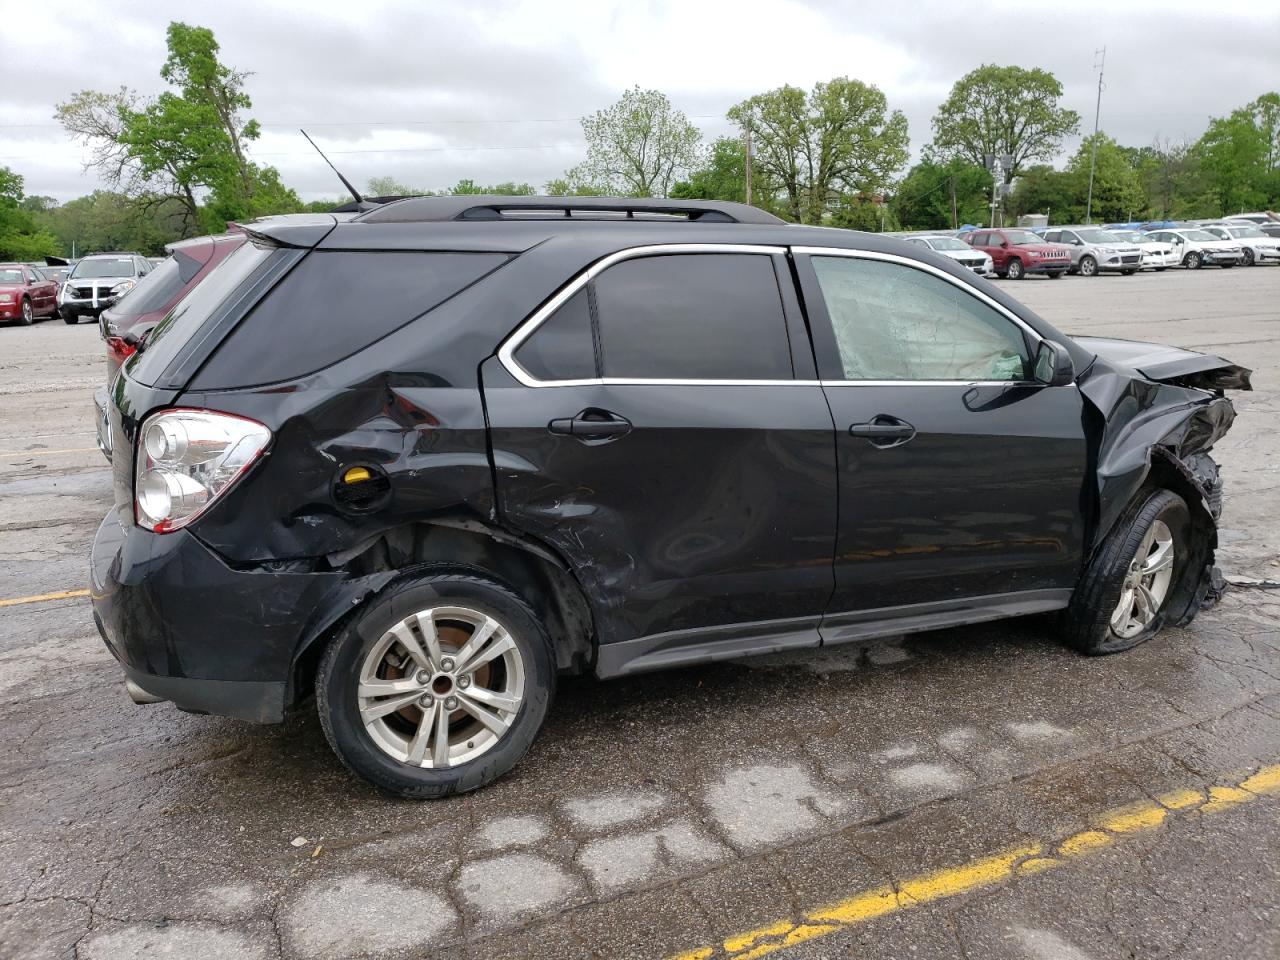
914, 618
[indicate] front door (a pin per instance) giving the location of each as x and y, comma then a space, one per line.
961, 479
662, 428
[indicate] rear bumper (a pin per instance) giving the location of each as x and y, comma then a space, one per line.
190, 629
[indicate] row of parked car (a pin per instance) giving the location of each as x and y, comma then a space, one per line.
1087, 250
70, 290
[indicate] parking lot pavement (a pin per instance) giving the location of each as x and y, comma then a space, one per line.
979, 792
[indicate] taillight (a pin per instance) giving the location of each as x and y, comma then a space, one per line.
186, 459
119, 350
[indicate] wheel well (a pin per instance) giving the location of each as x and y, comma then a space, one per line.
528, 569
1169, 473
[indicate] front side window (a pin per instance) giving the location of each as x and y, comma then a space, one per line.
704, 316
895, 322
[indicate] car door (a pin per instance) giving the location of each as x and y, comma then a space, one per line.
659, 424
989, 243
37, 289
962, 480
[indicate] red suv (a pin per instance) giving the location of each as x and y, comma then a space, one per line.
131, 316
26, 293
1015, 253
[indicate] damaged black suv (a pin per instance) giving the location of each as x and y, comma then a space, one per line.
423, 460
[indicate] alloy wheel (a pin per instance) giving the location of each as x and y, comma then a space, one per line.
441, 687
27, 316
1088, 267
1146, 583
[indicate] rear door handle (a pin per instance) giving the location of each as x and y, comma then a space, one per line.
591, 425
883, 431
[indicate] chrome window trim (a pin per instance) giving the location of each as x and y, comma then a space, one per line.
506, 352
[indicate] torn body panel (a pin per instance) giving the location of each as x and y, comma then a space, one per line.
1151, 425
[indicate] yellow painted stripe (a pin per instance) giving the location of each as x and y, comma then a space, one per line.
865, 905
39, 597
45, 453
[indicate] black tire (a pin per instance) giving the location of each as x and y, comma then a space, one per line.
1055, 275
1193, 261
28, 316
1227, 266
1128, 273
1249, 260
1087, 620
70, 318
1088, 266
339, 670
1161, 269
1014, 270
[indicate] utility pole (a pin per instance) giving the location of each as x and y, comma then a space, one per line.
750, 151
955, 225
1099, 63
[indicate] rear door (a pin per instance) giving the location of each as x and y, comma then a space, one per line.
660, 425
962, 481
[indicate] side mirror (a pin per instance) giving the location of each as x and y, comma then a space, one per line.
1053, 365
1004, 243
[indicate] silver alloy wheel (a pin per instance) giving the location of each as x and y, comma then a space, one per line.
28, 316
1146, 583
1088, 266
441, 687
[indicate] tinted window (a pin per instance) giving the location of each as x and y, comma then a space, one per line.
334, 303
693, 317
153, 292
894, 322
562, 347
980, 239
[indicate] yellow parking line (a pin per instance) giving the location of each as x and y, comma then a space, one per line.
44, 453
60, 595
865, 905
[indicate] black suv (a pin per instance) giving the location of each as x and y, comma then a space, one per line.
426, 459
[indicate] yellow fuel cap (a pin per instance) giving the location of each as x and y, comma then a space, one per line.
356, 475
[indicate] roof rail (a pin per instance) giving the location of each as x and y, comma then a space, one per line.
463, 207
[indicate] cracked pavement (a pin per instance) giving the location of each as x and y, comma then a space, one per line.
672, 812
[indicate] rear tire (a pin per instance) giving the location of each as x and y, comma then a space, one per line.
1161, 269
1109, 611
1128, 273
456, 607
1015, 270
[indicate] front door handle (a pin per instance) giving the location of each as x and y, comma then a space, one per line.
591, 424
883, 431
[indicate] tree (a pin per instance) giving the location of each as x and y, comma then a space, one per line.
1042, 189
637, 147
1238, 156
20, 237
721, 174
839, 138
185, 144
105, 220
1003, 110
922, 201
1117, 189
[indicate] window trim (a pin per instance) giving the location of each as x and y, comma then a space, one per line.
506, 352
1022, 325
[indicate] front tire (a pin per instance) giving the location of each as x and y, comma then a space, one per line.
1088, 267
1122, 599
1193, 261
69, 318
1055, 275
1249, 259
28, 315
438, 686
1015, 270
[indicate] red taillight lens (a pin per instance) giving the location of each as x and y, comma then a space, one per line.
119, 350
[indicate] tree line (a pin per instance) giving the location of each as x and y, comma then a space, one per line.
179, 164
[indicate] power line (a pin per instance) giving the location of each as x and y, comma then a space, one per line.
294, 124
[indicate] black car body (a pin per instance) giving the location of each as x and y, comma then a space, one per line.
637, 419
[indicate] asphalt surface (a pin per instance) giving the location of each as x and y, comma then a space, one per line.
979, 793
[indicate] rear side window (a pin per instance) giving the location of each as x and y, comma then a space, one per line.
334, 303
160, 286
692, 317
562, 348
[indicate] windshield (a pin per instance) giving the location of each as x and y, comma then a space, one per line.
1200, 236
189, 314
1097, 236
1250, 233
1130, 236
1021, 238
949, 243
103, 267
10, 276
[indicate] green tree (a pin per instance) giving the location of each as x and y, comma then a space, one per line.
505, 189
1042, 189
637, 147
922, 201
1117, 188
839, 138
106, 220
1003, 110
721, 175
1238, 157
20, 237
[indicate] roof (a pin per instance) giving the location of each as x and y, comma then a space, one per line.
465, 207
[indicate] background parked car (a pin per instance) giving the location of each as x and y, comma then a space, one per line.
1156, 255
26, 293
1197, 247
1094, 250
1255, 246
97, 281
1016, 253
957, 250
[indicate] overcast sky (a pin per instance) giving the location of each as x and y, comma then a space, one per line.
430, 92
